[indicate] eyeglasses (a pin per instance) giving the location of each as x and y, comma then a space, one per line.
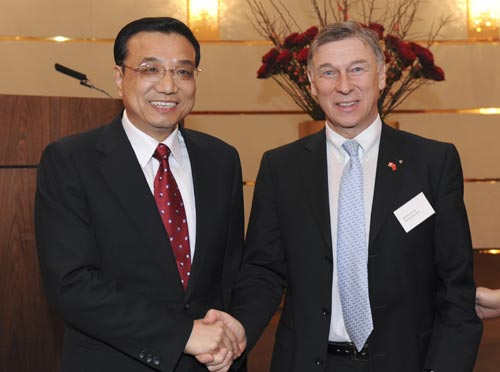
154, 72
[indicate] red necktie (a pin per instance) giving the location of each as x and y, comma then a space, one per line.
169, 201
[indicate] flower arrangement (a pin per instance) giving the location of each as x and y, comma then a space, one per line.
409, 65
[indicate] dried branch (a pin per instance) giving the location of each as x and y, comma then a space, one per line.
321, 16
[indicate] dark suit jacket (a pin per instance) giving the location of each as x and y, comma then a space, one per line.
106, 260
420, 282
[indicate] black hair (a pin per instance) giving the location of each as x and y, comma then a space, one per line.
166, 25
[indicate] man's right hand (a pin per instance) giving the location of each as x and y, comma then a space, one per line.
230, 322
211, 338
222, 360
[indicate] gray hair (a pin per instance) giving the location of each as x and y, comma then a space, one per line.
345, 30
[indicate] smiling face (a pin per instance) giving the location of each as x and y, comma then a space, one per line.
156, 107
346, 80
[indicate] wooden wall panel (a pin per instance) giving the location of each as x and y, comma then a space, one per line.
29, 123
30, 332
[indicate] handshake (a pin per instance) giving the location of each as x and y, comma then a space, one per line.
216, 340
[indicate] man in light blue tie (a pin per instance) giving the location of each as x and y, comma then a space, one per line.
364, 229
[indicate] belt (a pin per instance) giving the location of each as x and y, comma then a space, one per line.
348, 350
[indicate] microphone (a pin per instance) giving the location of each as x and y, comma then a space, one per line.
67, 71
79, 76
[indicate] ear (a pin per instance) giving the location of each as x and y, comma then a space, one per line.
381, 77
311, 81
118, 71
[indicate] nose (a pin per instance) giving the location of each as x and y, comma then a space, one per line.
344, 84
167, 83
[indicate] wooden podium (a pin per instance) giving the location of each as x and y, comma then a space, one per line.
30, 332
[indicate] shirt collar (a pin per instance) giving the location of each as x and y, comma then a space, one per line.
367, 139
144, 145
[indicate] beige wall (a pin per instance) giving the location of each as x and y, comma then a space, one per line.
103, 18
228, 83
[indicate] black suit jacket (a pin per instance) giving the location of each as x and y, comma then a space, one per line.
106, 259
420, 283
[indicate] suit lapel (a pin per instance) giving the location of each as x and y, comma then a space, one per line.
313, 167
122, 172
388, 182
203, 195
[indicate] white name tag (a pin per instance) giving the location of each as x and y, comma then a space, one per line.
414, 212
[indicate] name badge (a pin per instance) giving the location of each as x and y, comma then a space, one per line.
414, 212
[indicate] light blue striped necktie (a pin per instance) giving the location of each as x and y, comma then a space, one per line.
352, 252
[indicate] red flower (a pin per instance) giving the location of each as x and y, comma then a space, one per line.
394, 74
297, 41
290, 40
437, 74
378, 28
311, 33
302, 55
284, 58
300, 40
264, 71
406, 54
424, 55
301, 80
392, 42
388, 56
270, 57
426, 58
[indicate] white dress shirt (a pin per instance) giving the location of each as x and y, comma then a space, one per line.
144, 147
337, 158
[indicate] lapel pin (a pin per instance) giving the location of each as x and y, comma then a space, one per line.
393, 165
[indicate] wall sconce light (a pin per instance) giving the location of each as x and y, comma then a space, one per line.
483, 19
203, 18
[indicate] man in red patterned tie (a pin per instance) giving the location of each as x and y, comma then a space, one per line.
139, 223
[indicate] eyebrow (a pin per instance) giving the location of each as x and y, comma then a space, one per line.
156, 60
150, 59
356, 62
361, 62
186, 62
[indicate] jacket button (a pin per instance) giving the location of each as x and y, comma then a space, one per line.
187, 305
325, 312
156, 361
142, 355
149, 358
318, 361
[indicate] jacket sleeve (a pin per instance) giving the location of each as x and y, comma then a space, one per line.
457, 329
262, 279
235, 232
